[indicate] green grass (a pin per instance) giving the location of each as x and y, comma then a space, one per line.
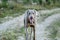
19, 9
12, 34
53, 29
8, 36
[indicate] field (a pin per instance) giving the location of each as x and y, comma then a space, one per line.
12, 24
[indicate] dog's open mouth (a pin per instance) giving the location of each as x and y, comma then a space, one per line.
31, 20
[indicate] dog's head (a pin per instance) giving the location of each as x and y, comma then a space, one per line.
31, 14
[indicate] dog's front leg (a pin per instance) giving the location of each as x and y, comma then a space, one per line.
26, 33
34, 33
31, 33
26, 29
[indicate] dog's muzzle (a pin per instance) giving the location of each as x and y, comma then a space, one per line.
31, 18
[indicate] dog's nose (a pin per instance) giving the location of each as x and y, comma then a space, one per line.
31, 17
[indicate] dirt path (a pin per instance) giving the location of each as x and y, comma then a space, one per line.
41, 33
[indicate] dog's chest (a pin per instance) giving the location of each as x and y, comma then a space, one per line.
31, 21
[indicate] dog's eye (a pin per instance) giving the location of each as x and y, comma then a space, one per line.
29, 13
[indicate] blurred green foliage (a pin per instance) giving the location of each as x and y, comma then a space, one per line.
4, 3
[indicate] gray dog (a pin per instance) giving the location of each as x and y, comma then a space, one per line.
29, 21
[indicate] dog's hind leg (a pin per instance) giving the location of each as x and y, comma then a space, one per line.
26, 31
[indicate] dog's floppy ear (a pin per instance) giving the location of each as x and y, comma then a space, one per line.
27, 11
35, 12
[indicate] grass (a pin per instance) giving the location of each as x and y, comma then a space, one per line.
54, 29
9, 12
12, 34
8, 35
19, 9
47, 14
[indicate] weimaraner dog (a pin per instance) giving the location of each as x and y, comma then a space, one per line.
30, 21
